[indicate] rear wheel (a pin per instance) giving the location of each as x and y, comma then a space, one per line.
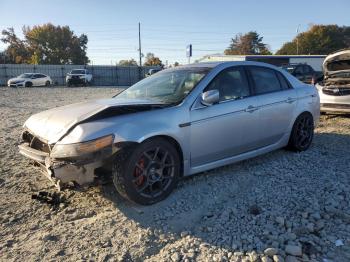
148, 173
302, 133
47, 83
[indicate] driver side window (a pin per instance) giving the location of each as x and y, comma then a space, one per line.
231, 83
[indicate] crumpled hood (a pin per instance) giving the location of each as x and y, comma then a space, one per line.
336, 63
51, 125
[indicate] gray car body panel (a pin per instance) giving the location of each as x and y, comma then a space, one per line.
209, 136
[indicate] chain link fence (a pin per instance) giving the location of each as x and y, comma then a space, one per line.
102, 75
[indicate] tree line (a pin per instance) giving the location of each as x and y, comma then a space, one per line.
50, 44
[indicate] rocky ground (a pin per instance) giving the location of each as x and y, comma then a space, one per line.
282, 206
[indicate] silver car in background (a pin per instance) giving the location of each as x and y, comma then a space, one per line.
334, 90
176, 123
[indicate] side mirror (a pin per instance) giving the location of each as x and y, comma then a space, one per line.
210, 97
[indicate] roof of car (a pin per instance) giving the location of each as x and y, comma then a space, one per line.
228, 63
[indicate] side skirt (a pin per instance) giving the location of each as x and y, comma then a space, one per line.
230, 160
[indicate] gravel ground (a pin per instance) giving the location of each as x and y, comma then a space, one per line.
282, 206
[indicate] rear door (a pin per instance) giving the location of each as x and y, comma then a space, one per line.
228, 128
36, 80
276, 103
41, 79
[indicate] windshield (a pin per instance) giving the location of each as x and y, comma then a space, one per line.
289, 68
170, 86
78, 72
25, 75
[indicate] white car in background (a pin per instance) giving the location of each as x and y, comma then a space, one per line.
29, 80
334, 90
79, 77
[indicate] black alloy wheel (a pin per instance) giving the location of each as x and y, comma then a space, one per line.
302, 133
148, 173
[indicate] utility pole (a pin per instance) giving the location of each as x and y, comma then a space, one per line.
140, 54
298, 39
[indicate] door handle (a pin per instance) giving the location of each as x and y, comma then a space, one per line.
251, 109
290, 100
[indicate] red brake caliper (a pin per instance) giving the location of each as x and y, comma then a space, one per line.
138, 173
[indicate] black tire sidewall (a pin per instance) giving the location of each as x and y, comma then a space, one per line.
129, 166
293, 145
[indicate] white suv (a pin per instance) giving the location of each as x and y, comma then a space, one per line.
79, 77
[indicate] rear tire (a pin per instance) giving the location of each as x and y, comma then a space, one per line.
302, 133
147, 173
47, 84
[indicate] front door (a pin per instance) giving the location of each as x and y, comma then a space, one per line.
229, 127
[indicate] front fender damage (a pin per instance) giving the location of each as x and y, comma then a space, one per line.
80, 170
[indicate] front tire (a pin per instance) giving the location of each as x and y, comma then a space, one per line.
148, 173
302, 133
28, 84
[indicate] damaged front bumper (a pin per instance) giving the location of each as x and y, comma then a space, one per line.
63, 171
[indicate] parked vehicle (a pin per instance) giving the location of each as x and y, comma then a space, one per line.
79, 77
153, 71
178, 122
334, 90
303, 72
29, 80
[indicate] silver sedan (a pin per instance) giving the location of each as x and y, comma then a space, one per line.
175, 123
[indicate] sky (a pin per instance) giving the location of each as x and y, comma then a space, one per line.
167, 27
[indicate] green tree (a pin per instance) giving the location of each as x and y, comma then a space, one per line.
176, 64
250, 43
318, 40
16, 51
46, 44
152, 60
130, 62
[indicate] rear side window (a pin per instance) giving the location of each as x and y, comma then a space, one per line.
265, 80
284, 84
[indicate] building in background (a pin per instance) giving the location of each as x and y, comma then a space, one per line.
315, 61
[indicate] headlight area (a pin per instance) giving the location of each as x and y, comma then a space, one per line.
81, 150
78, 162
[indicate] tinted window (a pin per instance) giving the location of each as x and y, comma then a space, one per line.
307, 69
37, 75
41, 76
283, 81
265, 80
231, 83
299, 70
